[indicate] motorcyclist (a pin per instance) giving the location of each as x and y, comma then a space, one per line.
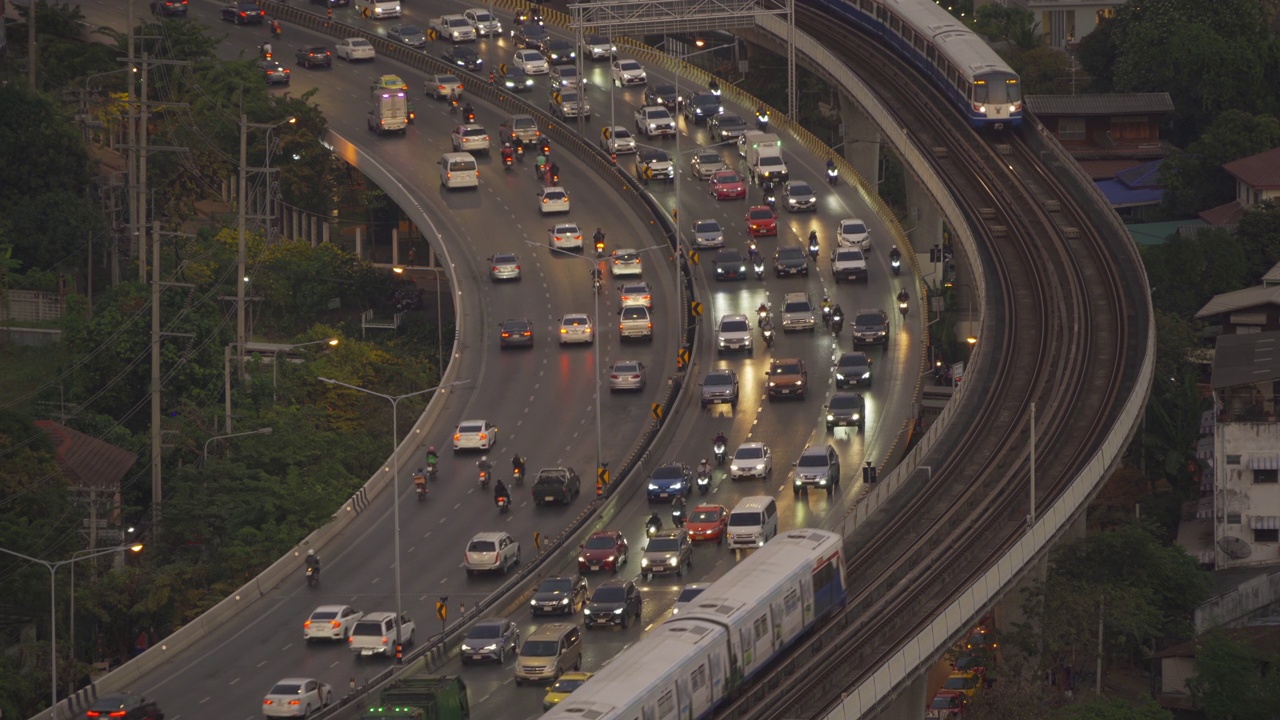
714, 86
517, 464
720, 439
678, 507
895, 255
453, 102
484, 465
831, 165
903, 296
266, 50
432, 456
826, 306
837, 314
813, 237
540, 164
555, 172
653, 524
276, 31
420, 481
704, 468
545, 147
500, 491
519, 149
507, 154
313, 562
599, 238
762, 312
468, 111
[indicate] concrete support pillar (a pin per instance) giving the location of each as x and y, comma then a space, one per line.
395, 246
910, 704
862, 142
324, 232
924, 226
360, 243
1008, 612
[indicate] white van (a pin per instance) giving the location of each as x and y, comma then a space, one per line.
379, 9
459, 170
753, 522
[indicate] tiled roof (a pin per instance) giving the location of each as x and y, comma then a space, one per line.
1225, 214
1157, 233
1246, 359
86, 461
1107, 169
1240, 300
1260, 172
1100, 104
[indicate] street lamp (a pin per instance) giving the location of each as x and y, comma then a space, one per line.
275, 358
53, 605
80, 555
395, 475
204, 457
241, 279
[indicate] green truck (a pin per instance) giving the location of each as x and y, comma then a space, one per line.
422, 698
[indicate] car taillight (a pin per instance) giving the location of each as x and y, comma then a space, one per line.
93, 714
305, 625
614, 377
117, 713
335, 624
506, 334
457, 437
564, 331
351, 639
295, 702
527, 333
267, 701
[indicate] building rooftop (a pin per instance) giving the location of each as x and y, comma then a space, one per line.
1228, 213
86, 461
1100, 104
1240, 300
1260, 172
1246, 359
1158, 233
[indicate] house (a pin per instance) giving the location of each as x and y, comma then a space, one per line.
1257, 180
1244, 499
1064, 22
1251, 310
1175, 665
1107, 132
94, 470
1134, 193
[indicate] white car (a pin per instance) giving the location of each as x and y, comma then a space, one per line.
598, 47
636, 293
485, 22
375, 634
489, 551
576, 328
687, 595
853, 232
330, 622
752, 459
655, 120
626, 263
628, 72
848, 263
531, 62
354, 49
734, 333
617, 140
566, 76
474, 435
296, 697
470, 138
553, 200
565, 236
439, 86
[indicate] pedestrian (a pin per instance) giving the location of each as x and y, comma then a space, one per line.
328, 16
413, 256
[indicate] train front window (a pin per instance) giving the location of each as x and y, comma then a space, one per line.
999, 89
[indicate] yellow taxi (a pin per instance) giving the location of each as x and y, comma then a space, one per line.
390, 82
969, 683
567, 683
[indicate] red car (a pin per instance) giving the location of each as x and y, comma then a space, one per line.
946, 705
605, 550
727, 185
707, 522
761, 221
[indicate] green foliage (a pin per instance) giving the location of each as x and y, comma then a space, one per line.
37, 133
60, 21
1109, 708
1194, 179
1235, 681
1209, 57
1215, 259
1097, 54
1043, 70
1143, 589
1005, 23
1258, 233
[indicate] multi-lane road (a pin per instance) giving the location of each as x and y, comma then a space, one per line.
542, 400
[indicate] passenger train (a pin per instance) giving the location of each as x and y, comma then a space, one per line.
691, 663
974, 77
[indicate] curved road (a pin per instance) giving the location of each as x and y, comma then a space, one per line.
231, 673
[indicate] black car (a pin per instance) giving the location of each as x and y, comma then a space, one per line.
517, 80
464, 56
790, 261
515, 333
853, 369
559, 52
616, 602
169, 8
530, 36
556, 485
331, 3
726, 126
274, 72
410, 35
315, 56
730, 265
123, 706
703, 107
846, 409
559, 595
244, 13
870, 327
662, 94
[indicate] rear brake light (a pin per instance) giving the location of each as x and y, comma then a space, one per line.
295, 702
335, 624
117, 713
305, 625
267, 701
456, 438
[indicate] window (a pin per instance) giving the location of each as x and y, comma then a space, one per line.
761, 626
666, 705
1233, 518
1266, 476
1266, 536
699, 677
1071, 128
791, 601
1233, 459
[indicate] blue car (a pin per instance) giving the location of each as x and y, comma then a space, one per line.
669, 481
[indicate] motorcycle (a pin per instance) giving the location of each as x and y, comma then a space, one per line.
484, 479
276, 32
520, 154
470, 117
833, 176
313, 577
703, 482
677, 517
508, 162
517, 473
771, 199
596, 285
896, 264
768, 336
837, 323
651, 528
555, 179
719, 450
761, 316
762, 121
813, 248
826, 314
759, 268
504, 503
902, 307
420, 484
600, 248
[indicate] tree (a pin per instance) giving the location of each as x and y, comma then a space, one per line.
1109, 708
1258, 233
1042, 69
1194, 180
1215, 258
1233, 680
1098, 53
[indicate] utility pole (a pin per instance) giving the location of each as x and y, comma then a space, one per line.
31, 43
157, 474
131, 155
142, 177
241, 201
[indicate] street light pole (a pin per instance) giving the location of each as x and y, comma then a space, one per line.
204, 457
395, 476
439, 312
53, 608
275, 358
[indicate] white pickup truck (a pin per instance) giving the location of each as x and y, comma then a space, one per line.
453, 27
485, 23
655, 120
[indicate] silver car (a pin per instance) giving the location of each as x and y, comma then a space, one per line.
627, 375
490, 640
707, 234
753, 459
576, 328
734, 333
635, 293
504, 266
706, 163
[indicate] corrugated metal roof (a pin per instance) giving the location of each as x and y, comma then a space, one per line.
1157, 233
1121, 195
1260, 172
1107, 169
86, 461
1241, 300
1246, 359
1100, 104
1146, 175
1225, 214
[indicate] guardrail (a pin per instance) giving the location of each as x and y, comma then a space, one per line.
216, 618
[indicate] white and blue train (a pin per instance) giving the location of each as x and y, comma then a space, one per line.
976, 80
691, 663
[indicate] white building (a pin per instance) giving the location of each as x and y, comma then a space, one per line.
1064, 22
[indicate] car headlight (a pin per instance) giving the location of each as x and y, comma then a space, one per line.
830, 417
564, 601
490, 647
799, 382
586, 611
677, 486
856, 416
611, 558
653, 486
533, 602
839, 376
742, 268
618, 611
467, 648
673, 561
866, 375
760, 466
772, 384
581, 559
644, 562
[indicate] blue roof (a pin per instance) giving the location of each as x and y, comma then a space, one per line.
1146, 175
1121, 195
